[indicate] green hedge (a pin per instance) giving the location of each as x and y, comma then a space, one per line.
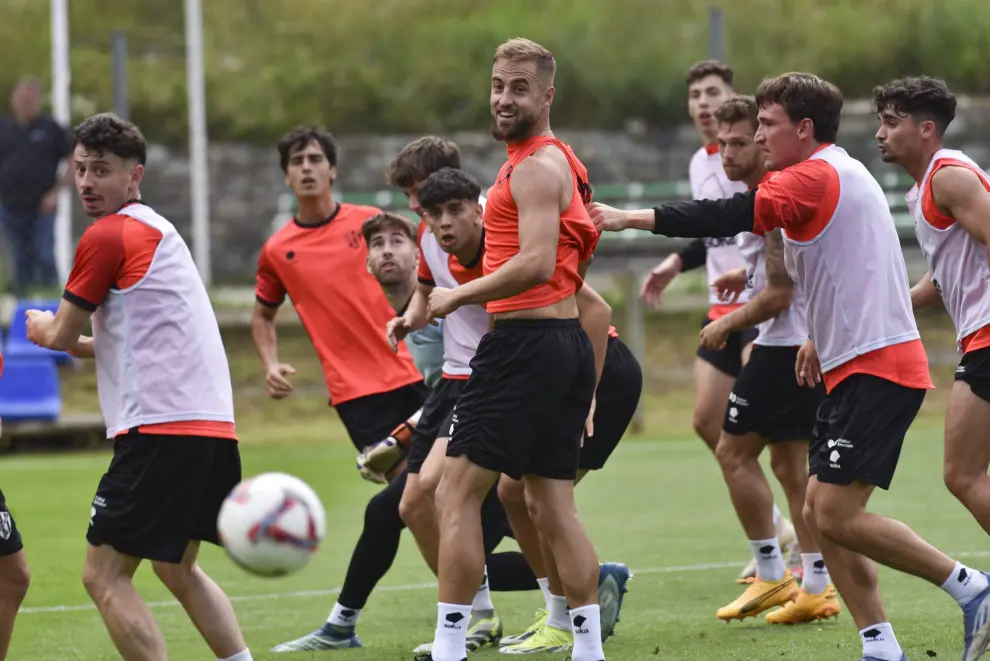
423, 65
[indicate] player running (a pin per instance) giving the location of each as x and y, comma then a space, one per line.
447, 197
14, 575
165, 392
709, 84
767, 406
320, 261
842, 249
524, 407
950, 203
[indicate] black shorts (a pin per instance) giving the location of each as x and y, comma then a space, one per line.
860, 429
436, 412
523, 410
161, 492
372, 418
728, 359
974, 369
615, 404
10, 538
766, 398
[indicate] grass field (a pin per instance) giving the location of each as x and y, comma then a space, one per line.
660, 506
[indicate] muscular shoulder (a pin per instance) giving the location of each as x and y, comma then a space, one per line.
547, 171
357, 213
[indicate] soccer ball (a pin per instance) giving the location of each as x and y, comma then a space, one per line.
272, 524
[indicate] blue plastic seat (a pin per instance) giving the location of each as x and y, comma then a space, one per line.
30, 390
18, 345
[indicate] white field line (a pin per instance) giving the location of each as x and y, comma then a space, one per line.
407, 587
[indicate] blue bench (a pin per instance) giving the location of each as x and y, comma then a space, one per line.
30, 390
19, 346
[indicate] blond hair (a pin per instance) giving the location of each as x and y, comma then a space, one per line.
521, 49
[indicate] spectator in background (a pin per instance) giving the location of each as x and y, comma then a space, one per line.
32, 145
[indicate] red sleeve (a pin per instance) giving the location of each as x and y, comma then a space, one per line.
268, 288
98, 264
802, 195
424, 273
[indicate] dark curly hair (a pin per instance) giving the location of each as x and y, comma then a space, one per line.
446, 185
107, 133
920, 97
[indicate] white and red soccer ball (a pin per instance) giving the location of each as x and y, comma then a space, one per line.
272, 524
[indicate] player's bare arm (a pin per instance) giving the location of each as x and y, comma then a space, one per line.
924, 294
537, 188
414, 318
730, 285
595, 316
770, 302
265, 339
960, 193
60, 331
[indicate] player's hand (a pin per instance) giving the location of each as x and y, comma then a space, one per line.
396, 331
589, 424
442, 302
714, 335
730, 285
807, 369
606, 218
279, 386
659, 278
38, 323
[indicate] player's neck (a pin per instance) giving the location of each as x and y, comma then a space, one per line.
468, 255
315, 210
401, 293
753, 180
538, 131
917, 168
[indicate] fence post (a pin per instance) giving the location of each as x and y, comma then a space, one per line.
121, 98
716, 34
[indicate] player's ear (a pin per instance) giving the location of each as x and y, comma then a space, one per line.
480, 210
137, 174
549, 94
333, 174
367, 264
806, 129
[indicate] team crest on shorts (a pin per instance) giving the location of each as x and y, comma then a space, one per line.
6, 527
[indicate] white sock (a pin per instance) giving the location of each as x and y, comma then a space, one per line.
776, 514
816, 577
450, 639
544, 584
483, 597
769, 559
342, 616
880, 643
965, 584
557, 613
586, 624
240, 656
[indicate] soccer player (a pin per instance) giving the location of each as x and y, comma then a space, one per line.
320, 261
767, 406
709, 84
843, 251
525, 405
14, 574
447, 197
950, 203
165, 392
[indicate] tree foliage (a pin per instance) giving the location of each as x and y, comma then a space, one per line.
422, 65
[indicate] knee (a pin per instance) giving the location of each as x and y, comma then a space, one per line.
175, 577
958, 480
791, 474
731, 454
14, 583
552, 515
703, 427
828, 518
97, 582
413, 507
512, 494
383, 507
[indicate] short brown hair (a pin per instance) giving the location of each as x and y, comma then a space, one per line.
386, 220
421, 158
706, 68
920, 97
521, 49
737, 109
299, 137
805, 96
107, 133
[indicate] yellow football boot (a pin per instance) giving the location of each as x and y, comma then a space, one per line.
761, 596
808, 608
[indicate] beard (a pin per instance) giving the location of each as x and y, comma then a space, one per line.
516, 131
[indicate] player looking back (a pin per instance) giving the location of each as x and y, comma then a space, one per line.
165, 392
709, 84
14, 574
320, 260
842, 249
524, 407
950, 203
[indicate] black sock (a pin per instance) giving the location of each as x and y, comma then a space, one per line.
509, 572
376, 548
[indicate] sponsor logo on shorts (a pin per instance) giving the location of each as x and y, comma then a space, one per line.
737, 400
834, 445
6, 525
